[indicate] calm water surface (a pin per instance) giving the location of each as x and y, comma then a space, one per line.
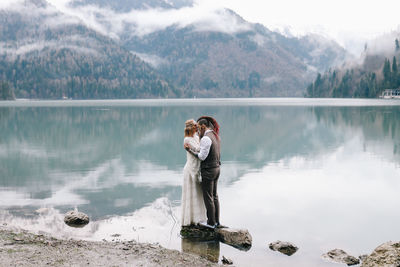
320, 173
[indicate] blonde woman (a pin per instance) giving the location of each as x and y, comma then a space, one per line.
193, 209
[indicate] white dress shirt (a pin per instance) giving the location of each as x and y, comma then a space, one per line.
205, 144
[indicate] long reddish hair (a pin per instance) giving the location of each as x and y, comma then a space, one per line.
213, 123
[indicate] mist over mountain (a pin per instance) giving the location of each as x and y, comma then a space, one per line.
128, 5
252, 62
377, 69
135, 49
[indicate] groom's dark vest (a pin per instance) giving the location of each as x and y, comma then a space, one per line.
213, 158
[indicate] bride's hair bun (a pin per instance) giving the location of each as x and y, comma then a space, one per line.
190, 125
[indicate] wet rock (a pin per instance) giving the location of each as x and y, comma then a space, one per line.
340, 256
283, 247
387, 254
199, 233
238, 238
226, 261
76, 219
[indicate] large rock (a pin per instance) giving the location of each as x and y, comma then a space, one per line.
283, 247
238, 238
340, 256
76, 219
198, 233
387, 254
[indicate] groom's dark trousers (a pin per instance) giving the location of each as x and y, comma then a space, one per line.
209, 185
210, 173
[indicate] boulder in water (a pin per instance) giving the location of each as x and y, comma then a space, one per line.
76, 219
198, 233
238, 238
340, 256
286, 248
387, 254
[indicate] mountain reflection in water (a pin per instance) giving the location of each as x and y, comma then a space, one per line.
320, 176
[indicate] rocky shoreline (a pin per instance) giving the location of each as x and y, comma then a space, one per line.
22, 248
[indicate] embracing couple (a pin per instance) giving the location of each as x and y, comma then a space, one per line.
201, 173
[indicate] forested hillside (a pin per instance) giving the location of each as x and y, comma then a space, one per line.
378, 71
99, 49
71, 61
254, 62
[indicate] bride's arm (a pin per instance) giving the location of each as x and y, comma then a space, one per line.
195, 146
191, 145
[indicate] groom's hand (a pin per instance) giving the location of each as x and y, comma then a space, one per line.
186, 146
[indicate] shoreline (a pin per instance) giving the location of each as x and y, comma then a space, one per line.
22, 248
155, 102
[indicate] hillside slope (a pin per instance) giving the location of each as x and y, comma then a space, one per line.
40, 60
98, 49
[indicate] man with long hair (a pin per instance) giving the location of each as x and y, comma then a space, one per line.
210, 167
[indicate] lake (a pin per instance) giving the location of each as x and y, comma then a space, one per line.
320, 173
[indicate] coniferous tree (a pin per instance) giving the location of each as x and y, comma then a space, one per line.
394, 65
397, 44
395, 73
318, 85
386, 74
6, 92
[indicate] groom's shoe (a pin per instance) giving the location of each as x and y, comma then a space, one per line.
205, 224
218, 225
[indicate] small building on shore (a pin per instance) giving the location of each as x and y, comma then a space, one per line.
391, 93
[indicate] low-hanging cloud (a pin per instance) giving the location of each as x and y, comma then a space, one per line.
135, 22
202, 18
154, 60
384, 44
24, 47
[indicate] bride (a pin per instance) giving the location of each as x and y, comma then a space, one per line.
193, 208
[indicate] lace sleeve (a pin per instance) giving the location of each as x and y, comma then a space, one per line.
194, 146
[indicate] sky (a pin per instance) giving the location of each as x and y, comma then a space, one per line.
349, 22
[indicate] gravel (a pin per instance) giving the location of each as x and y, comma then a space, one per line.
22, 248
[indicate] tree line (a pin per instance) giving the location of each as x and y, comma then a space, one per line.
358, 82
65, 74
6, 92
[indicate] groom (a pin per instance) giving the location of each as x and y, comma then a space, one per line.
210, 167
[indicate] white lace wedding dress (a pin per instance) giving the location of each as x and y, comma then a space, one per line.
193, 209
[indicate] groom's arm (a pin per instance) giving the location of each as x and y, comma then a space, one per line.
205, 144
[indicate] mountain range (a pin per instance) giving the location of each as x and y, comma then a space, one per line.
151, 49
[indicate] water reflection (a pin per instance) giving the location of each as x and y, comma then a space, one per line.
154, 223
319, 176
378, 126
206, 249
